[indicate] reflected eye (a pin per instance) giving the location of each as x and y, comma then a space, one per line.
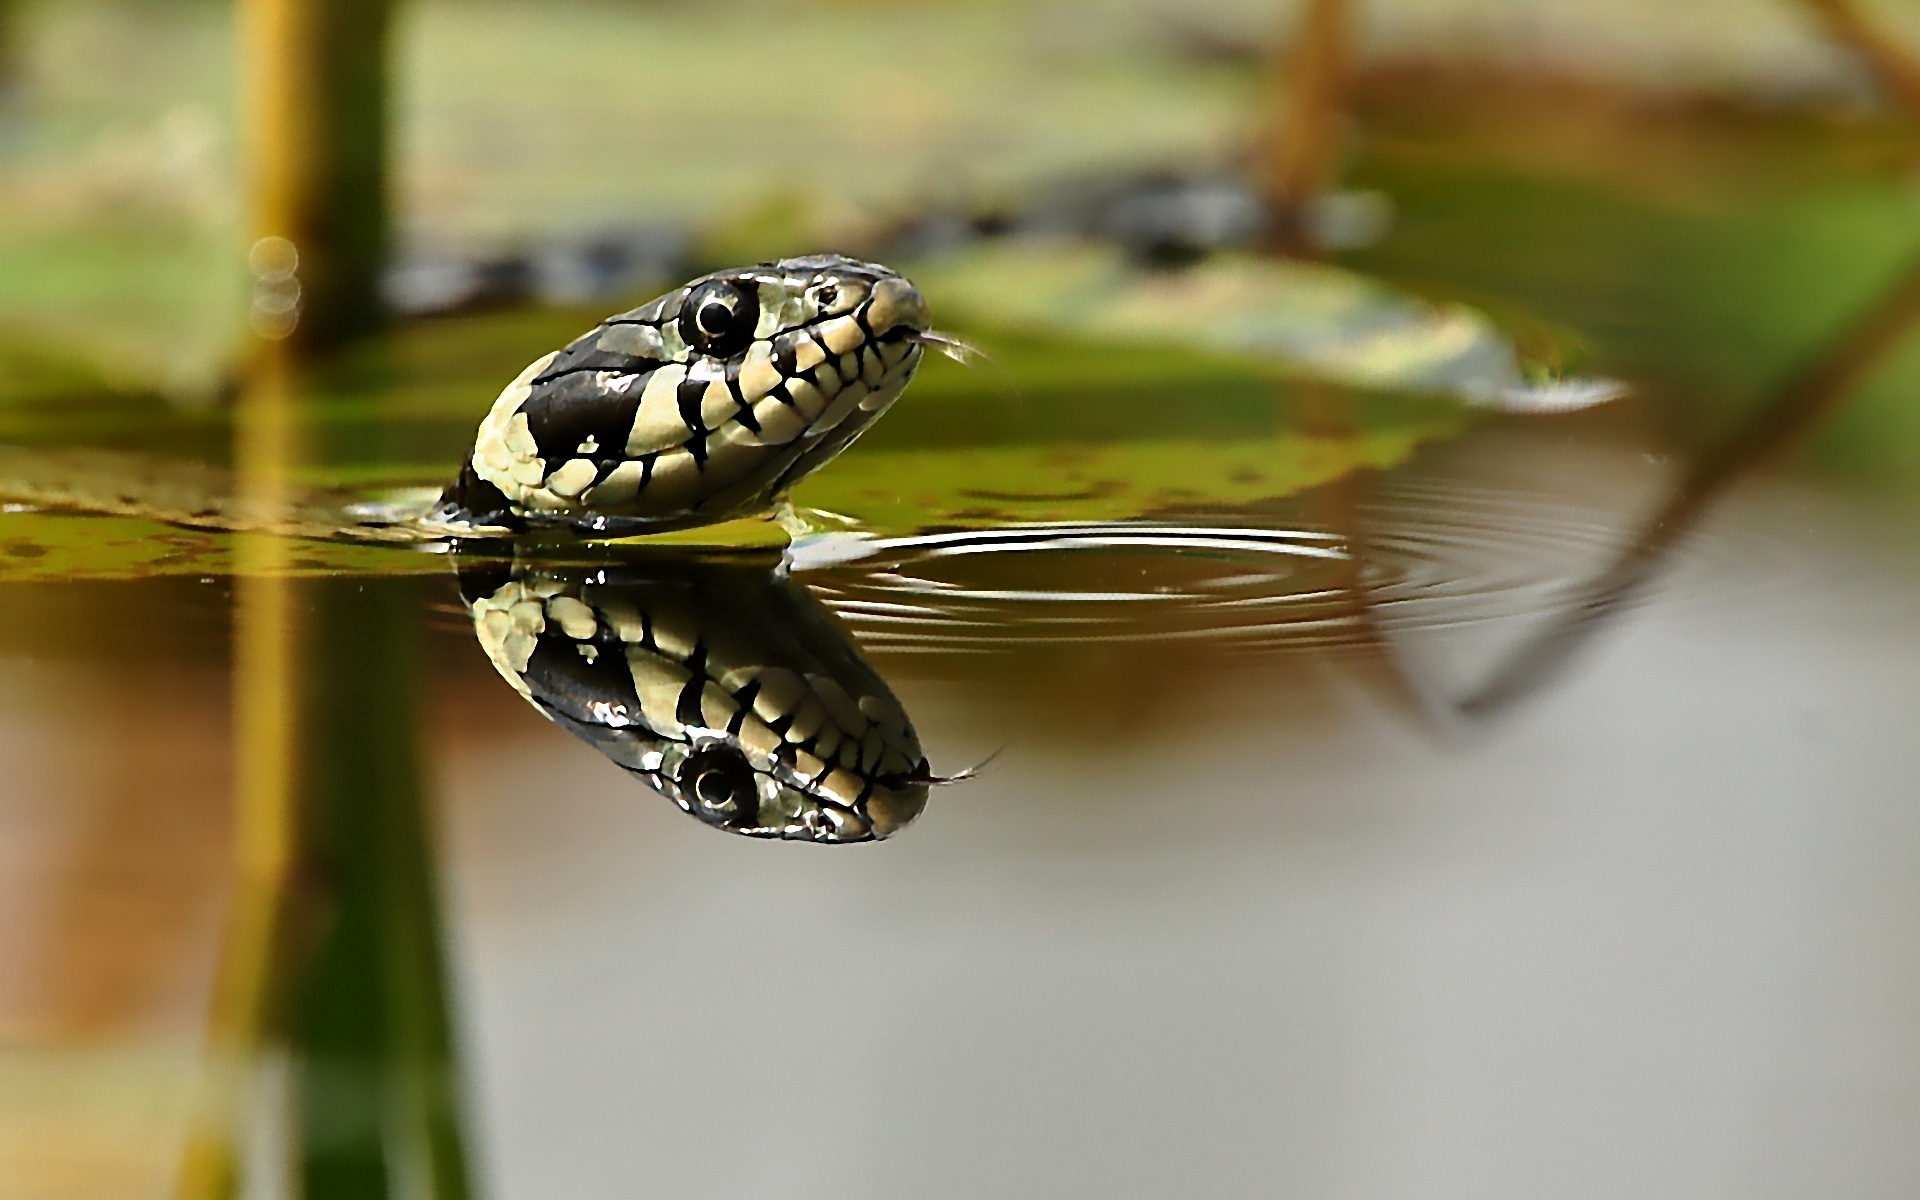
719, 784
719, 318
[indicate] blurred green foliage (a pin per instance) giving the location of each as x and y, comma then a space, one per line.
1705, 251
1699, 247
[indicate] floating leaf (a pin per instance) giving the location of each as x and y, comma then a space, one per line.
1311, 320
982, 486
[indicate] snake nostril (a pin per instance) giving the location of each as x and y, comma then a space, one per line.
896, 306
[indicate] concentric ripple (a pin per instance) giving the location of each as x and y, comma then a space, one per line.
1424, 555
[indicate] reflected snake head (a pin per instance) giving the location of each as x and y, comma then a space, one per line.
717, 680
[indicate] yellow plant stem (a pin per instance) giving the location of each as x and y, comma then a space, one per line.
1304, 148
265, 787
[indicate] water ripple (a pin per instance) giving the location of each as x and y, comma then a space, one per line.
1435, 555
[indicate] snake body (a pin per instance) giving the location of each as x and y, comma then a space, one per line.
705, 404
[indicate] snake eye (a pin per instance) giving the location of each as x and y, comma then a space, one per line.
719, 318
826, 295
720, 785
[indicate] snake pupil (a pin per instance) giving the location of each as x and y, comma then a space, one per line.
714, 789
714, 318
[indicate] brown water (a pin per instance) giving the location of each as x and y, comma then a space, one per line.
1243, 899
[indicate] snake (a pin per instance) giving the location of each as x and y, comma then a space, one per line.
705, 404
702, 405
713, 678
722, 684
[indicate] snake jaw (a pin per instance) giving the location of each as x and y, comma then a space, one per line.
705, 404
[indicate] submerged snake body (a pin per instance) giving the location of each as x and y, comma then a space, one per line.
707, 403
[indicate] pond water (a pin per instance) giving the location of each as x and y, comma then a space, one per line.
1243, 895
1335, 784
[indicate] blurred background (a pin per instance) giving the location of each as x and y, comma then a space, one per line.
1553, 835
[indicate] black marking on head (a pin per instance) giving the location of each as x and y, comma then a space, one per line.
690, 394
688, 710
567, 411
719, 317
785, 359
566, 683
744, 700
591, 359
742, 410
585, 353
646, 621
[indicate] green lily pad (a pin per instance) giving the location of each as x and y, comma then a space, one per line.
42, 546
1305, 320
984, 486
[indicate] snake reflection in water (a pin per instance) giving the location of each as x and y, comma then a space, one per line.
715, 678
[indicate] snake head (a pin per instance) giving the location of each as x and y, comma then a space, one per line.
727, 784
723, 685
707, 403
